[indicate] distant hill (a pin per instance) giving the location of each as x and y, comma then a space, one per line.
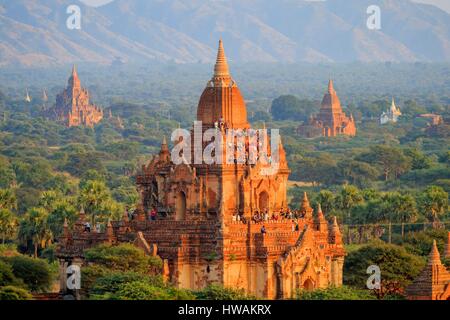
34, 33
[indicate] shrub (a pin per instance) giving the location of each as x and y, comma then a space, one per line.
114, 281
124, 257
90, 274
35, 273
342, 293
6, 274
396, 264
218, 292
142, 290
14, 293
8, 250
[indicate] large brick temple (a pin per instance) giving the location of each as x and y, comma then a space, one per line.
204, 230
331, 120
73, 107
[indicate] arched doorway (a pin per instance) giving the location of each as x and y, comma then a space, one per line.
308, 285
263, 201
180, 206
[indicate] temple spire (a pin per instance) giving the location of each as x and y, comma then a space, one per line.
74, 81
221, 68
305, 202
335, 233
305, 209
435, 257
331, 87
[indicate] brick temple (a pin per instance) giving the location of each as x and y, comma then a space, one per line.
433, 283
204, 230
73, 107
331, 119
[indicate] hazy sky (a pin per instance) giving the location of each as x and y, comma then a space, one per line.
443, 4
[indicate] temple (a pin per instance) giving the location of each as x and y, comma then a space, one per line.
205, 228
331, 120
433, 283
73, 107
391, 115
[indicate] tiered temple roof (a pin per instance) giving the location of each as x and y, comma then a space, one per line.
433, 283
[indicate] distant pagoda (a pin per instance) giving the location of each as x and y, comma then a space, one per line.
27, 96
331, 120
391, 115
73, 107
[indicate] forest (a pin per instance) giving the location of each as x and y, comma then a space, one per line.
388, 186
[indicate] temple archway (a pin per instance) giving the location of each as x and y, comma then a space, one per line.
308, 285
180, 206
263, 201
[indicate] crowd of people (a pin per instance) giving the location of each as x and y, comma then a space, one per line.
258, 217
265, 215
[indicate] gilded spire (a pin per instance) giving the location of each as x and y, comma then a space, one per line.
221, 68
435, 257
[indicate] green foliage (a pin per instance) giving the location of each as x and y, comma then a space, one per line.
395, 263
142, 290
96, 199
35, 273
420, 242
124, 257
90, 274
8, 250
34, 227
391, 160
6, 274
291, 108
434, 202
14, 293
218, 292
341, 293
8, 199
8, 225
112, 282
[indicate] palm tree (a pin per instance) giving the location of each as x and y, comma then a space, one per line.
8, 199
433, 203
8, 224
34, 227
95, 198
402, 209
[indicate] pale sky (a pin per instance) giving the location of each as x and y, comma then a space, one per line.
443, 4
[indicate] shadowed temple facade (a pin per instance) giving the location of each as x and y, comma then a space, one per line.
204, 228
